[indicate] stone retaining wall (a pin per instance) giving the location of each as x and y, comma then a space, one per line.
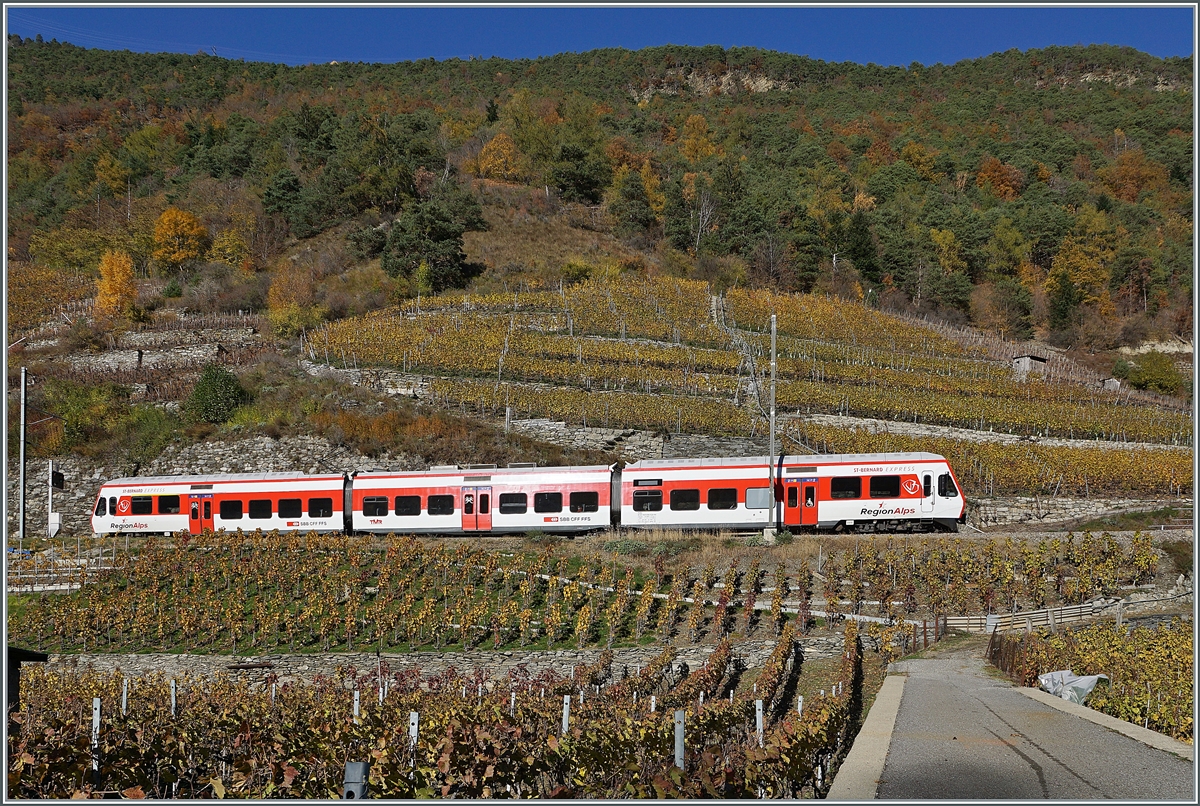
289, 668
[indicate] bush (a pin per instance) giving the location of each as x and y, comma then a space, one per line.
635, 548
1155, 371
172, 291
216, 395
783, 537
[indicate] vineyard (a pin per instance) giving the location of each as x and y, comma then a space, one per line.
237, 593
473, 737
1151, 673
664, 354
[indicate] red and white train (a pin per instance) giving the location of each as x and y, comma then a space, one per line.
855, 492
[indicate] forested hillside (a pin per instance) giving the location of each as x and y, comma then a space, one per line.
1042, 193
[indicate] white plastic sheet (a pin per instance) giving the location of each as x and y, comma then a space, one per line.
1068, 685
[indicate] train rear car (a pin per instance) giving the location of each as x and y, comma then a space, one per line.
165, 504
483, 500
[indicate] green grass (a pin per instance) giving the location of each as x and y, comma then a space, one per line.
1133, 521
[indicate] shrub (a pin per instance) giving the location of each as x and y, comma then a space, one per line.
1156, 371
635, 548
216, 395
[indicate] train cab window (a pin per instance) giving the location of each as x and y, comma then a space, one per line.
722, 498
168, 505
289, 508
793, 497
845, 487
946, 486
513, 503
375, 505
758, 498
141, 505
685, 499
408, 505
441, 505
112, 504
647, 500
260, 509
231, 510
927, 485
585, 501
320, 507
101, 508
885, 486
547, 502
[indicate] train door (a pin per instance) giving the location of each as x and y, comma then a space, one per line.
791, 504
200, 513
477, 509
808, 503
927, 492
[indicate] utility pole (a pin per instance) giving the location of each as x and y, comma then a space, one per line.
21, 479
771, 442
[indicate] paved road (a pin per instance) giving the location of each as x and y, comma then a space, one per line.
961, 733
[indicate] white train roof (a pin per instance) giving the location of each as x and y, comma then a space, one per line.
812, 459
224, 477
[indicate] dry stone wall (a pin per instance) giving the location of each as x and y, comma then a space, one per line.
292, 668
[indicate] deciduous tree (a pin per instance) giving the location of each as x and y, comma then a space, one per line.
179, 238
116, 291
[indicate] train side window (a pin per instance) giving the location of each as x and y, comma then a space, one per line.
441, 505
320, 507
141, 505
647, 500
112, 504
260, 509
758, 498
845, 487
375, 505
485, 504
547, 502
946, 487
793, 497
231, 510
289, 508
101, 509
722, 498
408, 505
513, 503
885, 486
685, 499
585, 501
168, 505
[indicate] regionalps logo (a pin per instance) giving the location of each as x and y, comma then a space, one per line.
875, 513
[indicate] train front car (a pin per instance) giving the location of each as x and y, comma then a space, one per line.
880, 492
853, 492
483, 500
288, 502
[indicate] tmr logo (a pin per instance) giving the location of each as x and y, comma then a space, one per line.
875, 513
911, 486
